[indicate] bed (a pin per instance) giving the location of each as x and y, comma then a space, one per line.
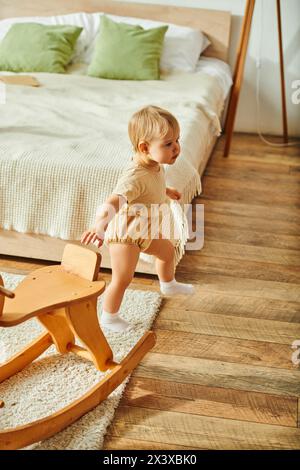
57, 168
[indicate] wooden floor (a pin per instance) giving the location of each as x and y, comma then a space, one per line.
221, 376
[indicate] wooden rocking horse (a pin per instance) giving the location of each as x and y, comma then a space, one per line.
64, 300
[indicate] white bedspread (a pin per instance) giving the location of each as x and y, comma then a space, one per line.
64, 145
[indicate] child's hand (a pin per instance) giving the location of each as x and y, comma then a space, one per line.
90, 236
173, 193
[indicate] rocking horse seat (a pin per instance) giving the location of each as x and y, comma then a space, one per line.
45, 290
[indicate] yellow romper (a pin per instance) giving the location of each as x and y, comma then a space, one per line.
140, 219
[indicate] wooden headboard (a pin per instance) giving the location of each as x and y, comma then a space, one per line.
215, 24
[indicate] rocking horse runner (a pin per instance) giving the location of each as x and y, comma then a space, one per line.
64, 300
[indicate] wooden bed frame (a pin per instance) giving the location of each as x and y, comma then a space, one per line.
215, 24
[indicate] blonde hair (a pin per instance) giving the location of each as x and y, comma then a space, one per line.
149, 123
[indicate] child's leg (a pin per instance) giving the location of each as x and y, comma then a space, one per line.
165, 255
124, 258
165, 267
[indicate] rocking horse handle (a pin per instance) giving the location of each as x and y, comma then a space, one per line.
6, 293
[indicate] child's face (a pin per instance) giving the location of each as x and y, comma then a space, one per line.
165, 149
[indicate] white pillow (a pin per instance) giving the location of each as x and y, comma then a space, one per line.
206, 43
182, 45
74, 19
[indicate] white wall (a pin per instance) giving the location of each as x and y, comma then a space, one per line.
270, 94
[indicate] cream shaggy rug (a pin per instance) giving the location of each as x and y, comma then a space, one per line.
53, 381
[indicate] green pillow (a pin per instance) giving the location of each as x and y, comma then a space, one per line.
33, 47
127, 52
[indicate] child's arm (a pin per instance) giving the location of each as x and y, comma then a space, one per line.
105, 214
173, 193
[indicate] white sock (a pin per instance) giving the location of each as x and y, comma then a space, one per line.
173, 287
113, 321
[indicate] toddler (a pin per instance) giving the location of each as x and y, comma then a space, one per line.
154, 134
